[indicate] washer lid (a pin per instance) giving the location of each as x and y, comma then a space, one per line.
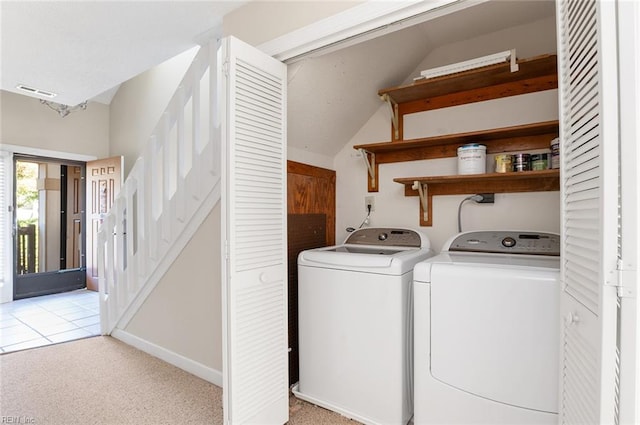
365, 258
422, 271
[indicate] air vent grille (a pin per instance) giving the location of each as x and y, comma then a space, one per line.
34, 91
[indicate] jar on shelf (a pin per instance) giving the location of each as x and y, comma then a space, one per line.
555, 153
521, 162
472, 159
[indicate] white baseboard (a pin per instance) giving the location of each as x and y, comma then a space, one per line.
198, 369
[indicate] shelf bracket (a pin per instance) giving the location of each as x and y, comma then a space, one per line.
371, 164
514, 63
393, 112
422, 193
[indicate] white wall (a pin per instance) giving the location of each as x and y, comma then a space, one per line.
24, 121
183, 313
526, 211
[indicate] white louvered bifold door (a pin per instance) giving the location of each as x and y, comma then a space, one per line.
587, 58
254, 202
6, 234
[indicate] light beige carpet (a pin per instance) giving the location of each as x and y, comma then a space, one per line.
103, 381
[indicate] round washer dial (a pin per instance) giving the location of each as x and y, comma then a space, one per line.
508, 242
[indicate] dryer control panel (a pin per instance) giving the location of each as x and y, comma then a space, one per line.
388, 237
506, 242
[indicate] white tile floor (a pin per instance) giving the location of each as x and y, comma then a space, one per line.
34, 322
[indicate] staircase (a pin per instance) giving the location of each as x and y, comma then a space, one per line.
167, 195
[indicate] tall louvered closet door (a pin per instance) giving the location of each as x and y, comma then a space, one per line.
590, 198
254, 224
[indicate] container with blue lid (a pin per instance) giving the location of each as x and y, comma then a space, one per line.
472, 159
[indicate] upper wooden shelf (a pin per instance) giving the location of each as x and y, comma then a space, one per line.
534, 74
517, 132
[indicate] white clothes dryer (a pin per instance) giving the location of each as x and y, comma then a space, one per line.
487, 330
355, 324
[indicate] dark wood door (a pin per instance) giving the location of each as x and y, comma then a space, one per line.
311, 198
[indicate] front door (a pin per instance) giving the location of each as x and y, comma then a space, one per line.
48, 222
104, 178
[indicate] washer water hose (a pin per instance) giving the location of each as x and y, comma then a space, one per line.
365, 221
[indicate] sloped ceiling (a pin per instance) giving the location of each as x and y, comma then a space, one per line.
84, 49
330, 97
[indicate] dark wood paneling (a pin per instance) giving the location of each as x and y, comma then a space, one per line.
305, 231
311, 206
312, 190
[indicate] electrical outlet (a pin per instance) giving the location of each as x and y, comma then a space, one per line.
487, 198
369, 200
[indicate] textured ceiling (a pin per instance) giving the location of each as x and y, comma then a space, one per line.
84, 49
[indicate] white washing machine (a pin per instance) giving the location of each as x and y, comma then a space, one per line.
487, 330
355, 324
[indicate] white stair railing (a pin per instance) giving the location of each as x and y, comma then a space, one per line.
167, 195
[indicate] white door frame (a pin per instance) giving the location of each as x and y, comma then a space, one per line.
6, 268
357, 24
629, 69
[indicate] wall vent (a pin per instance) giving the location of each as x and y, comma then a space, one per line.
35, 91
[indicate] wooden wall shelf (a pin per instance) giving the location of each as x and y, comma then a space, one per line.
526, 181
476, 85
500, 140
490, 82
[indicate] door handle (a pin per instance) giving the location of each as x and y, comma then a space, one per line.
572, 319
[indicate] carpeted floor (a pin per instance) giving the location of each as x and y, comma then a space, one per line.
103, 381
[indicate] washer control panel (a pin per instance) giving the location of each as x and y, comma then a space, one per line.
505, 242
388, 237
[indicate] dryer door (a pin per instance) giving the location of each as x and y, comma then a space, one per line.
494, 332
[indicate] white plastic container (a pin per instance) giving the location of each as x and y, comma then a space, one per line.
472, 159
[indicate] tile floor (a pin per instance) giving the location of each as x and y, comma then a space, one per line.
38, 321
